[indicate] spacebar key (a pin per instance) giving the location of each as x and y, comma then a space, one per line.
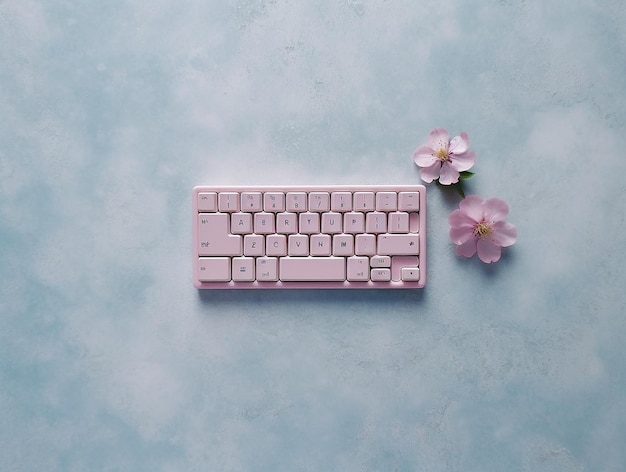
312, 269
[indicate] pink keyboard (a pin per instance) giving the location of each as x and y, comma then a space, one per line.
332, 236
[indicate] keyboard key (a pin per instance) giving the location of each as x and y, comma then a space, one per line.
264, 223
267, 269
276, 245
298, 245
312, 269
376, 222
358, 269
364, 201
398, 222
414, 222
287, 223
386, 201
398, 244
207, 201
319, 201
410, 273
381, 275
274, 201
320, 245
408, 201
331, 223
343, 245
253, 245
214, 236
214, 269
365, 245
243, 269
228, 201
251, 201
309, 223
341, 201
354, 222
241, 223
380, 261
296, 202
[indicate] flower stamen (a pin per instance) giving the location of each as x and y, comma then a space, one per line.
442, 154
482, 230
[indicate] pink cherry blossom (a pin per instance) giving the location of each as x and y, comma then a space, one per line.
443, 159
478, 226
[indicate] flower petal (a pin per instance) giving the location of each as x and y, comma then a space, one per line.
449, 175
488, 251
495, 210
428, 174
467, 249
504, 234
439, 138
472, 206
460, 219
461, 235
463, 161
424, 156
459, 144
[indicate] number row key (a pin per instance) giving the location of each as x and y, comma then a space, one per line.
302, 201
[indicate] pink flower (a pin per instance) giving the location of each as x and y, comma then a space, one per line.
443, 159
478, 226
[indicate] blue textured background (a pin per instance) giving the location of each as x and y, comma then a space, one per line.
110, 112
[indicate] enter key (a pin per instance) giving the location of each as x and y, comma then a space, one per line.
398, 244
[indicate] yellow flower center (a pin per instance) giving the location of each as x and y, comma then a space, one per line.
442, 154
482, 230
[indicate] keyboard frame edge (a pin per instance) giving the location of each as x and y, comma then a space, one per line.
316, 284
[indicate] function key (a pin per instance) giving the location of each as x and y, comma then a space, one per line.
207, 201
